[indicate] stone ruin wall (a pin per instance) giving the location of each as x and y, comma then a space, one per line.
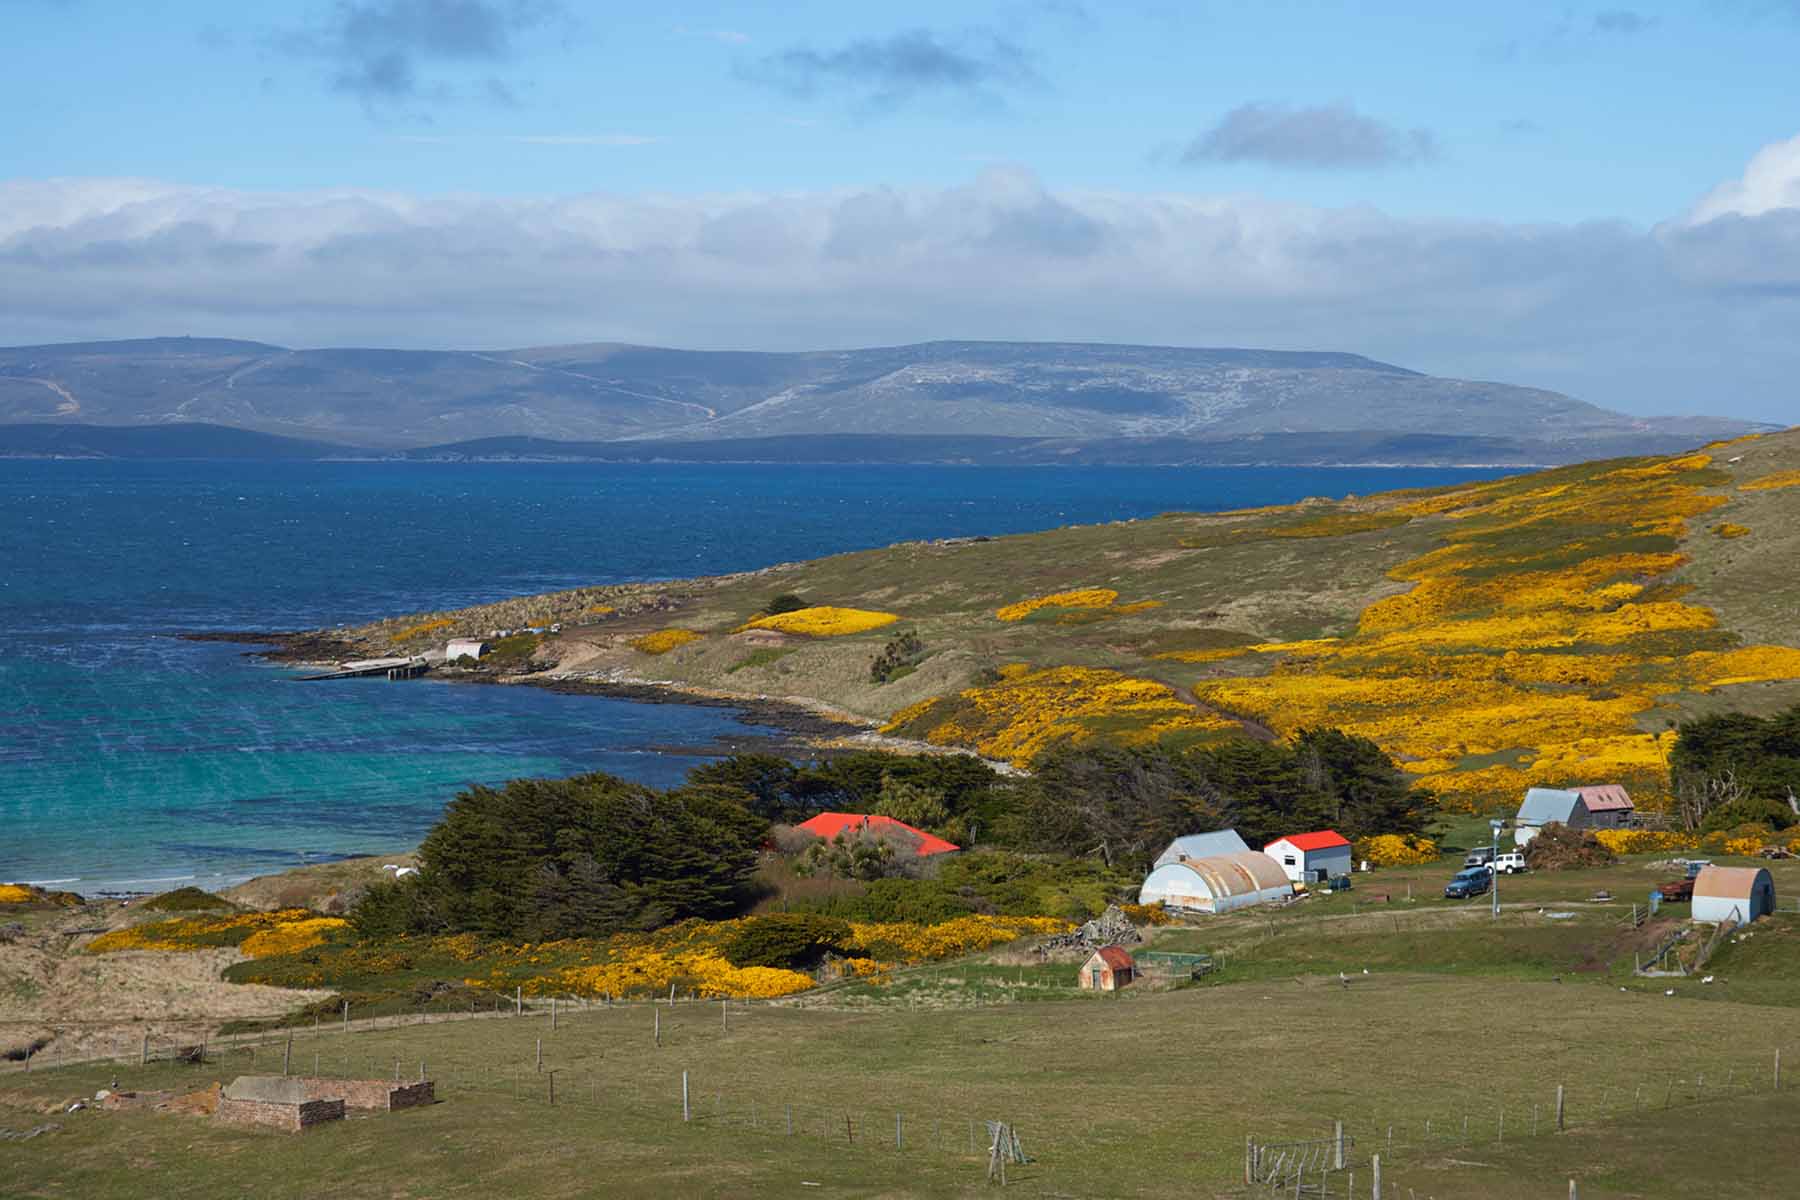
380, 1095
289, 1118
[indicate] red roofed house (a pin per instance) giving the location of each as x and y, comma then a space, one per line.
1311, 857
1107, 969
829, 825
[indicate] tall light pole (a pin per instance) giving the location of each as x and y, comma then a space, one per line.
1494, 824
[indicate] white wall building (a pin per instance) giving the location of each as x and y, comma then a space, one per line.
1740, 894
1311, 857
461, 647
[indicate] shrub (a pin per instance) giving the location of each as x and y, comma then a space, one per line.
187, 899
787, 602
787, 940
824, 621
1395, 850
664, 640
898, 657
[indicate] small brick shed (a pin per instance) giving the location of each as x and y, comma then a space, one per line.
1107, 969
294, 1103
275, 1102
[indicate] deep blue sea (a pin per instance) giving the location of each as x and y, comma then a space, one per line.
132, 760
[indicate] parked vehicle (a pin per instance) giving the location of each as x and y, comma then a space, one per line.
1470, 881
1480, 856
1678, 890
1510, 863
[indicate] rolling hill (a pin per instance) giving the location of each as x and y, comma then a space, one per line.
1041, 392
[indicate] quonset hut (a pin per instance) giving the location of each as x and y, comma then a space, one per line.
1740, 894
1217, 883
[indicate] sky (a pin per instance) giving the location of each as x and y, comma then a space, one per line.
1599, 199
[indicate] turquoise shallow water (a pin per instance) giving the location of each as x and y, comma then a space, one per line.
131, 759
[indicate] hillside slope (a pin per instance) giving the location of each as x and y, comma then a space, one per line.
410, 398
1545, 628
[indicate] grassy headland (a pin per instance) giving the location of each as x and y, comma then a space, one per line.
1543, 628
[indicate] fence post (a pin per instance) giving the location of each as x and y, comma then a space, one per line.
540, 1054
1247, 1141
1778, 1070
552, 1078
656, 1022
553, 1012
1375, 1166
346, 1016
899, 1134
421, 1070
790, 1120
1559, 1108
1337, 1146
686, 1113
518, 1000
144, 1051
287, 1053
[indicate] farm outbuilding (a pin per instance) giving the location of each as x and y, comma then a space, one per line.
465, 648
1593, 806
1740, 894
1311, 857
1217, 883
1107, 969
1202, 845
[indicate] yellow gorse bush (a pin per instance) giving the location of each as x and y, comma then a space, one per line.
1782, 479
422, 628
1080, 598
664, 640
1395, 850
198, 933
825, 621
1727, 529
1018, 718
1646, 841
291, 937
13, 893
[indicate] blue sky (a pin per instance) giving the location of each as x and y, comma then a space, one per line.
1562, 195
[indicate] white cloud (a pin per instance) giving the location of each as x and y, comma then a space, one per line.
1770, 182
1686, 316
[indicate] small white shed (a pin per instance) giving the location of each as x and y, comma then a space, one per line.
1216, 884
1740, 894
1311, 857
464, 648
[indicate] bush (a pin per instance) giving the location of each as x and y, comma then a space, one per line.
791, 941
787, 602
901, 654
187, 899
1395, 850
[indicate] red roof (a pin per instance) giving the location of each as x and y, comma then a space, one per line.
1114, 957
1324, 839
828, 825
1605, 797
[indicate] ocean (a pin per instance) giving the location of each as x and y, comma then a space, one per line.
132, 760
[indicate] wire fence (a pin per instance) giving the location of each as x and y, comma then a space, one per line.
554, 1063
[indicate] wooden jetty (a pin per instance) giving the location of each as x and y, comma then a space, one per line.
392, 668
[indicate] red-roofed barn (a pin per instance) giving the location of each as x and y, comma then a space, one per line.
829, 825
1311, 857
1107, 969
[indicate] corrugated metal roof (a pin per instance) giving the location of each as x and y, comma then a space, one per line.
828, 825
1605, 797
1114, 957
1544, 805
1324, 839
1238, 874
1728, 883
1202, 845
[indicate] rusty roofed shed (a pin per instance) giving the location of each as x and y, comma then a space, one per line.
1217, 884
1107, 969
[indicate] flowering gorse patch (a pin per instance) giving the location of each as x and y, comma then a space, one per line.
664, 640
1781, 479
203, 933
1079, 598
1395, 850
825, 621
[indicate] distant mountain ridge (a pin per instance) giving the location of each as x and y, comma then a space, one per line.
607, 393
